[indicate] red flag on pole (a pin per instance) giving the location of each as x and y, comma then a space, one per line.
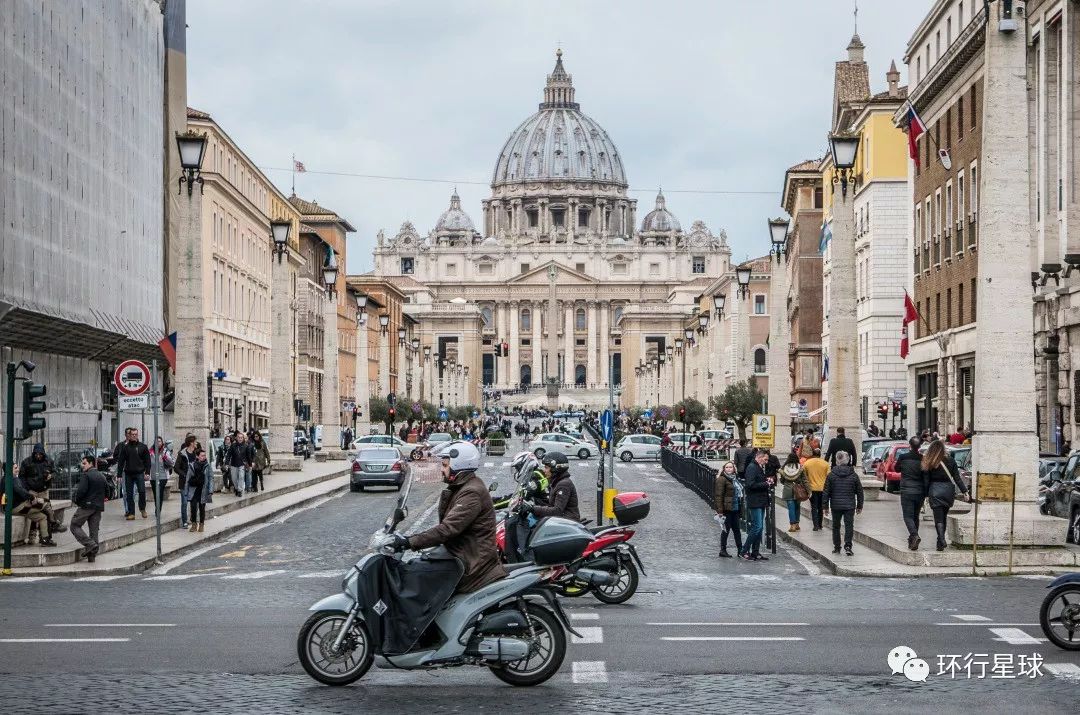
910, 316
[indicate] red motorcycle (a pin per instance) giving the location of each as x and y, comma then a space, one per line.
608, 566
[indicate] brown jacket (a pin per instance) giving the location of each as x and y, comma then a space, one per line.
724, 493
467, 528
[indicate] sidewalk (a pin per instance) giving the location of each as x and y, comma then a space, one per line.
881, 547
131, 546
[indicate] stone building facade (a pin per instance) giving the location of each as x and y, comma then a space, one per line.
1053, 63
802, 200
558, 272
945, 59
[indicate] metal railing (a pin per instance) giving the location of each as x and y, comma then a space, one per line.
700, 478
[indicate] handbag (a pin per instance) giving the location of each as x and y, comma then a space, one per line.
800, 492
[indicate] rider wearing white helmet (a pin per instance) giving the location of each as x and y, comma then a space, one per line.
466, 521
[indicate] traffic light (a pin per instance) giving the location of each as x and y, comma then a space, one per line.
391, 414
498, 349
903, 410
682, 414
883, 410
32, 406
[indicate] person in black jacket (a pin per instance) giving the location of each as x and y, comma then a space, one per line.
840, 443
562, 494
133, 461
90, 499
912, 490
943, 481
742, 458
757, 487
844, 496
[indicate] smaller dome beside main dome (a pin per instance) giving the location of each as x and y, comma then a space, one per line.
660, 219
454, 218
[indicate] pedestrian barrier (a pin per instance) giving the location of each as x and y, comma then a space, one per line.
700, 478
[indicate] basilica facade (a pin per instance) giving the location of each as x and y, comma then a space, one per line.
558, 280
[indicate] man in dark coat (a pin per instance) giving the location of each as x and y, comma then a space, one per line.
466, 521
844, 496
912, 490
133, 462
840, 443
757, 487
742, 458
90, 499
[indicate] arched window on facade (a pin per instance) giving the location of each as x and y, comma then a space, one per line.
485, 315
579, 375
579, 319
760, 366
526, 374
526, 319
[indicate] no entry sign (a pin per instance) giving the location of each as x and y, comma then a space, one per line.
131, 378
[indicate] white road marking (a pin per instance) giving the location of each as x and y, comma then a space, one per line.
489, 464
811, 568
87, 579
717, 623
589, 634
506, 464
617, 477
252, 575
321, 574
1065, 671
25, 579
110, 625
419, 523
685, 577
760, 577
971, 618
1015, 636
731, 638
242, 534
64, 640
588, 671
584, 616
175, 577
657, 479
1034, 576
953, 623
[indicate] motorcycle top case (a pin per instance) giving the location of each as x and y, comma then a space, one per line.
558, 541
630, 507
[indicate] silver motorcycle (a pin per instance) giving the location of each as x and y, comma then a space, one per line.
403, 614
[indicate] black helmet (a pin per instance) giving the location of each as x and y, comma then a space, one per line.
557, 461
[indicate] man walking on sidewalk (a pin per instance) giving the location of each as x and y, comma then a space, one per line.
839, 444
90, 499
133, 461
844, 495
757, 500
913, 487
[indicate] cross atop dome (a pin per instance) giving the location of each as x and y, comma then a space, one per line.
559, 91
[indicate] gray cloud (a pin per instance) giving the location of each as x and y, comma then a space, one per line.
697, 95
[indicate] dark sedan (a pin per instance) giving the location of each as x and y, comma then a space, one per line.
378, 466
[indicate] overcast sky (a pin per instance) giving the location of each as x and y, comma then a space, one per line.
705, 96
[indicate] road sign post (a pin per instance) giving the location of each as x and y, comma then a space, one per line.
764, 434
159, 484
990, 487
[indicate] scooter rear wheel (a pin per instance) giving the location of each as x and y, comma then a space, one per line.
314, 647
1060, 616
545, 656
625, 585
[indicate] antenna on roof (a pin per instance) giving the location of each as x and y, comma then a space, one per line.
856, 17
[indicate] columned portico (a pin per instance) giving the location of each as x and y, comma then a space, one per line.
537, 314
591, 375
513, 374
605, 343
568, 345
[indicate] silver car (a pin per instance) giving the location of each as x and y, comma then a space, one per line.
638, 446
570, 446
377, 466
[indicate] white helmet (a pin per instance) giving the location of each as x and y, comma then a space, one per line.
524, 464
464, 457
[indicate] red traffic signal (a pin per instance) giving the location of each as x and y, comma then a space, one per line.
392, 414
682, 412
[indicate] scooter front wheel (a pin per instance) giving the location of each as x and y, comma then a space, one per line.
315, 647
1060, 616
546, 651
625, 586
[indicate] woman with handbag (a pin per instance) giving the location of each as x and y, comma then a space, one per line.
943, 482
796, 488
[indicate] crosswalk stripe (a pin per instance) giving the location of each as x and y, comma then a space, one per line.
1015, 636
252, 575
506, 464
971, 618
760, 577
1065, 671
589, 634
64, 640
87, 579
731, 638
174, 577
584, 616
319, 574
25, 579
489, 464
589, 671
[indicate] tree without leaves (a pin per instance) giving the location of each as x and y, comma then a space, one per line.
739, 403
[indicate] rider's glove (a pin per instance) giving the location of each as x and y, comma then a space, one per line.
526, 507
398, 542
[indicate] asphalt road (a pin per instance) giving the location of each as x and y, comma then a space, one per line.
216, 630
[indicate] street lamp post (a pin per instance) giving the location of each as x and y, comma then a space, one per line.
779, 336
282, 407
331, 394
191, 402
363, 370
843, 396
384, 354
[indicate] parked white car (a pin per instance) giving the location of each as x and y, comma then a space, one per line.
638, 446
370, 440
570, 446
